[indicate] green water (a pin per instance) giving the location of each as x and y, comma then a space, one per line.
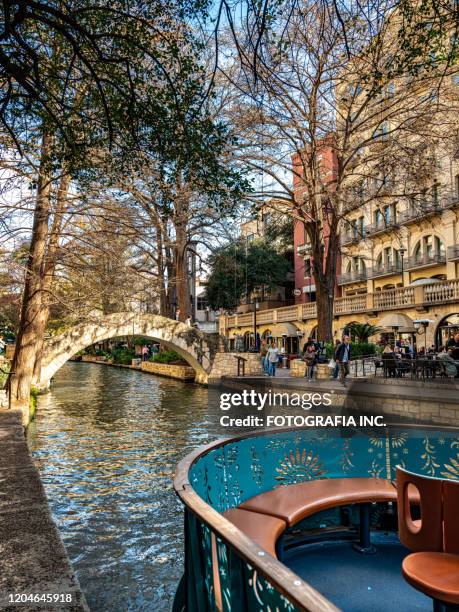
106, 441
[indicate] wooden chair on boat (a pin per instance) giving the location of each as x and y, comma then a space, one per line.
433, 567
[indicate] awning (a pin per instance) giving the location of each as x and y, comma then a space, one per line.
425, 281
398, 321
284, 329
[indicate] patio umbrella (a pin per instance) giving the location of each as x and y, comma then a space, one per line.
396, 320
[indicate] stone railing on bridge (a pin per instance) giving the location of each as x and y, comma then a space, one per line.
393, 299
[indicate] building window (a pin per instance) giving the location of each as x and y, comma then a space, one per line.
201, 303
307, 268
429, 247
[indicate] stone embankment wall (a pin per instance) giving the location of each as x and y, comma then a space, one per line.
225, 364
33, 559
181, 372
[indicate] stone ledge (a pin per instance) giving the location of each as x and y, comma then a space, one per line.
32, 556
179, 372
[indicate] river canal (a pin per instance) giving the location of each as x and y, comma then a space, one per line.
106, 441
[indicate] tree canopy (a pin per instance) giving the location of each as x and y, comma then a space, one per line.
238, 269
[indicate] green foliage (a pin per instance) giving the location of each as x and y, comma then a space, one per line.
280, 230
4, 369
361, 332
33, 402
363, 349
238, 267
167, 357
358, 349
123, 355
428, 37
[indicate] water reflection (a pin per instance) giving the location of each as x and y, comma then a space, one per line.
106, 441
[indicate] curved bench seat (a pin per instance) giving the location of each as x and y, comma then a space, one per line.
264, 531
292, 503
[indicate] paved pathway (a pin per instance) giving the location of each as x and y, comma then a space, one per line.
33, 559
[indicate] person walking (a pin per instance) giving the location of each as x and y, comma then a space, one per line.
263, 357
273, 357
342, 358
310, 357
145, 352
336, 367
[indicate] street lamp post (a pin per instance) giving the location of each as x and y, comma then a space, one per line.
255, 323
402, 252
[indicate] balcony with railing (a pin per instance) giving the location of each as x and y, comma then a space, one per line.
394, 298
350, 238
427, 207
387, 269
354, 303
355, 276
442, 292
425, 260
419, 211
385, 225
453, 253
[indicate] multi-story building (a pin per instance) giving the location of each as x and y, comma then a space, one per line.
399, 252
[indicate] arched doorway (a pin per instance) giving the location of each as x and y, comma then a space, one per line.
448, 326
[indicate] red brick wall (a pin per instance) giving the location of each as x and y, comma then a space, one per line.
329, 169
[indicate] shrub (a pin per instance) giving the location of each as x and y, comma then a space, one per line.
123, 356
359, 349
167, 357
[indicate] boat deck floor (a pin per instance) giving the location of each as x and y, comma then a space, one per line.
359, 583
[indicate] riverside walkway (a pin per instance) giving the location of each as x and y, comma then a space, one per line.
33, 560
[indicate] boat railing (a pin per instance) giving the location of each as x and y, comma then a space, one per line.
226, 570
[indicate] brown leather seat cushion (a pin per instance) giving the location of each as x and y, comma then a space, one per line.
264, 530
295, 502
434, 573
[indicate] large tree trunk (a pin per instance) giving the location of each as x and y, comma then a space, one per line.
324, 252
180, 221
28, 334
181, 274
164, 305
324, 299
49, 269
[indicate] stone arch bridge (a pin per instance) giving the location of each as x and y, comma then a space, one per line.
197, 348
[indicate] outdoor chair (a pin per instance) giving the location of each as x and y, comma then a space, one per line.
433, 568
390, 365
379, 365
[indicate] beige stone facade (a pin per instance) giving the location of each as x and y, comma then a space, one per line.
433, 302
400, 222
